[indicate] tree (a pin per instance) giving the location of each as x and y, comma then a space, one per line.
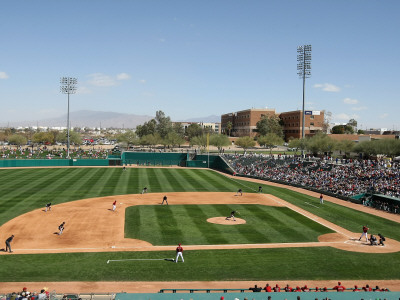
342, 129
229, 127
193, 130
147, 128
174, 139
74, 137
128, 137
150, 140
352, 123
269, 124
43, 138
17, 139
245, 142
200, 141
270, 140
179, 129
164, 124
346, 146
219, 141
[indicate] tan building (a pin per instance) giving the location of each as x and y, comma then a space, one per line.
244, 121
293, 123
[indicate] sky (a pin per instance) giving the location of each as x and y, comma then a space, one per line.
193, 59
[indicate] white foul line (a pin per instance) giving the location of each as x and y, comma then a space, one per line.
110, 260
312, 204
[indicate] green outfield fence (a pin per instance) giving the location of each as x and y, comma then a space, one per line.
127, 158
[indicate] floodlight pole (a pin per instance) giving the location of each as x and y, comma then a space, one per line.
304, 71
68, 86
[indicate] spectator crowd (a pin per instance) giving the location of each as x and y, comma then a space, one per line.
341, 177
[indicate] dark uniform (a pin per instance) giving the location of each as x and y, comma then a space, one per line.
8, 245
164, 199
48, 206
61, 228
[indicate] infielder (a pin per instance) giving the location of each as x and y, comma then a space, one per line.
365, 233
239, 192
8, 243
164, 199
48, 206
114, 205
179, 251
321, 199
144, 190
61, 228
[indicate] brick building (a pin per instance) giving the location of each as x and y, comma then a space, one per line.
244, 122
293, 123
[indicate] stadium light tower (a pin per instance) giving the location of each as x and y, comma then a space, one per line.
304, 71
68, 86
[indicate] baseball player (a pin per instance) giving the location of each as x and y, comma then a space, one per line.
232, 216
321, 199
144, 191
114, 205
260, 189
8, 245
365, 233
179, 251
164, 199
48, 206
61, 228
239, 192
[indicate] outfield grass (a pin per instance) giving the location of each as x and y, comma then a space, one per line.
321, 263
170, 224
23, 190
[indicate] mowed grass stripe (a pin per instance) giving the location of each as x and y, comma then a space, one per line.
211, 234
13, 178
169, 230
195, 180
169, 185
109, 181
153, 181
281, 225
179, 183
122, 185
82, 187
212, 182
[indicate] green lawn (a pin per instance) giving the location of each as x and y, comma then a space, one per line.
23, 190
322, 263
170, 224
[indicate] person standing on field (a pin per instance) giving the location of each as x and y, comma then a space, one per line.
114, 205
164, 199
365, 233
8, 243
179, 251
321, 199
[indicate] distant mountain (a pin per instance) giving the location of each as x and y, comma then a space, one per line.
209, 119
88, 118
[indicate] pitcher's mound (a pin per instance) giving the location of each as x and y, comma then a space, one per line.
224, 221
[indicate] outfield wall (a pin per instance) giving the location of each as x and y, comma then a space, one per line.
26, 163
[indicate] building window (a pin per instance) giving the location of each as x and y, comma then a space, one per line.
312, 117
311, 123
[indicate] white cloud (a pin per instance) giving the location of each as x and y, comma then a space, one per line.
327, 87
3, 75
350, 101
123, 76
83, 90
384, 116
359, 108
346, 117
100, 79
142, 81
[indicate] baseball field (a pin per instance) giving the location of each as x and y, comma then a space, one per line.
281, 234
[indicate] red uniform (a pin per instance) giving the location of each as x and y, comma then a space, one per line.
179, 251
339, 287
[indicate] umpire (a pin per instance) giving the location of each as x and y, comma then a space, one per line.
8, 243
